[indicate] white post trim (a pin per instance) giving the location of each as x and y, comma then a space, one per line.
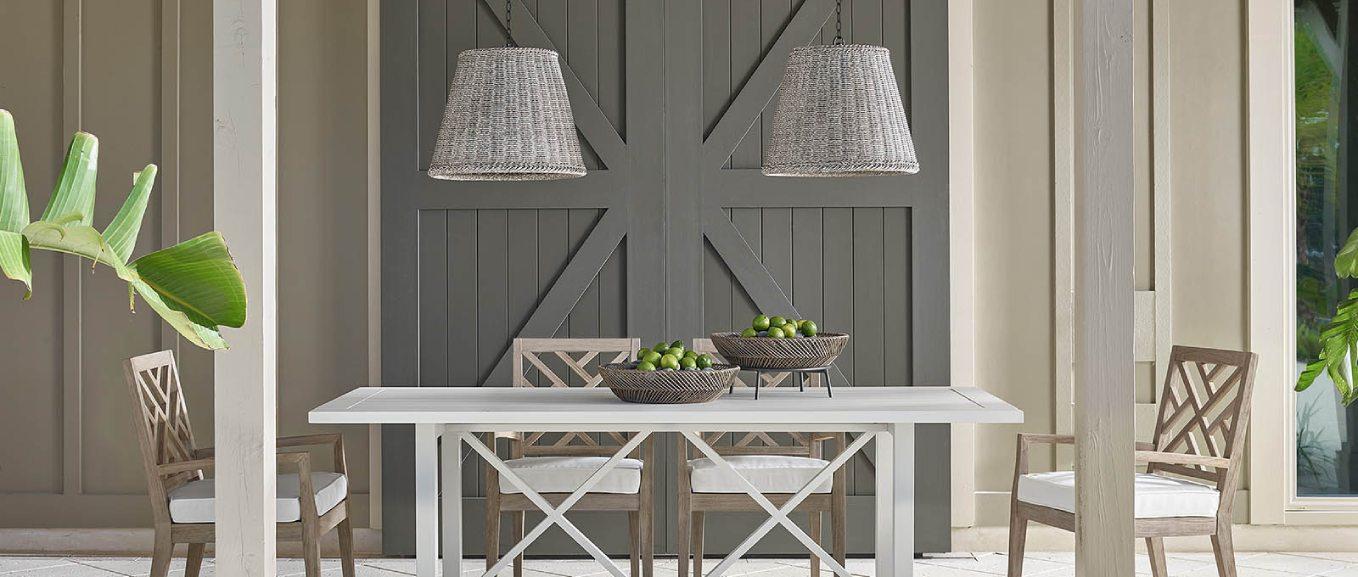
1271, 295
374, 112
962, 247
245, 122
1104, 308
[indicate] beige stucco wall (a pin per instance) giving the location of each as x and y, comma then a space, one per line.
1014, 187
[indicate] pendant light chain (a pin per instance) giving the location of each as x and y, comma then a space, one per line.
839, 36
509, 24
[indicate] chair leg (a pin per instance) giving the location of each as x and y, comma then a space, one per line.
492, 536
634, 544
1224, 550
838, 531
1018, 534
161, 554
345, 531
815, 536
1155, 550
516, 525
311, 549
193, 565
698, 526
682, 536
647, 543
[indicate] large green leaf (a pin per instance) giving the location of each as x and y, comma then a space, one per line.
1339, 354
197, 278
1346, 262
14, 260
194, 286
73, 197
13, 197
121, 234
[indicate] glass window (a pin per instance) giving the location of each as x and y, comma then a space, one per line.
1327, 179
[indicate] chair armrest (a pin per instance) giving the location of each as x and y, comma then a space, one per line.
1182, 459
1045, 439
206, 464
334, 440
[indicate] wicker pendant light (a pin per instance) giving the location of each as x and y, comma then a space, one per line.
507, 118
839, 114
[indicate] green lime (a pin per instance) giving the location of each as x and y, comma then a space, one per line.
777, 321
790, 330
803, 322
808, 328
688, 363
651, 357
704, 362
641, 354
679, 344
761, 323
669, 362
678, 352
690, 354
646, 366
747, 333
661, 347
775, 333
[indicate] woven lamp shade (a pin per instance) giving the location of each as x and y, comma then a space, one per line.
507, 118
839, 114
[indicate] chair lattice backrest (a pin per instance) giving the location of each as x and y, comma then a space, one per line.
758, 442
576, 360
1204, 409
161, 418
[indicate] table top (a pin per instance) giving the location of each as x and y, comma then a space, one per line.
566, 406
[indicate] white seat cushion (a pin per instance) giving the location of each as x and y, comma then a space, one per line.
768, 474
566, 474
193, 502
1156, 496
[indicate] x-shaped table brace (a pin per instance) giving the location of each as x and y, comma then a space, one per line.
778, 515
557, 515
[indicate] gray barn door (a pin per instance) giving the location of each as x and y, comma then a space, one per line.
674, 232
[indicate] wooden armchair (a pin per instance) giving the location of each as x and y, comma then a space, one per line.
792, 459
556, 464
1193, 463
310, 503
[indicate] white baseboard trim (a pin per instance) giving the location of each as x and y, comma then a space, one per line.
1275, 538
137, 543
368, 542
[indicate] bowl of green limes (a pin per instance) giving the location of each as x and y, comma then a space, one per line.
668, 374
776, 342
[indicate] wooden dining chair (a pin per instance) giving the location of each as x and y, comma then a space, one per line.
1193, 463
310, 503
555, 465
785, 463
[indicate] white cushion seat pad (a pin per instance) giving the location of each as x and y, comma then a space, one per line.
1156, 496
566, 474
194, 502
768, 474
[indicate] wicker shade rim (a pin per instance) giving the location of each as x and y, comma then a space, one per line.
501, 50
864, 48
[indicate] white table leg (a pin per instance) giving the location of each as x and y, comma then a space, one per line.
426, 499
452, 505
896, 502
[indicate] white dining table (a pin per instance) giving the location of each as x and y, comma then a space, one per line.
455, 414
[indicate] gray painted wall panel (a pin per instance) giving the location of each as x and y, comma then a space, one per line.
703, 249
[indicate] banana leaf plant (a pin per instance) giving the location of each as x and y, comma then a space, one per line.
194, 285
1338, 356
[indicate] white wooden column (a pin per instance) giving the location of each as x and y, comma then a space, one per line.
1104, 370
244, 94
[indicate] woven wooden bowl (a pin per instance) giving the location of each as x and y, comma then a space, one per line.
786, 353
667, 387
